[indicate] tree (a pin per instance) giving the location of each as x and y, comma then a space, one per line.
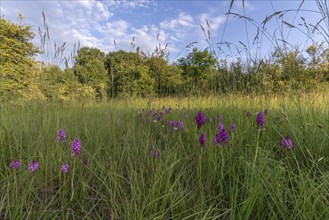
90, 69
167, 77
16, 58
196, 66
293, 68
129, 74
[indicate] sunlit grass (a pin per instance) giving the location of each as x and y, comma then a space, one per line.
116, 177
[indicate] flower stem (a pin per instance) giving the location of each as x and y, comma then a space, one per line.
72, 180
256, 153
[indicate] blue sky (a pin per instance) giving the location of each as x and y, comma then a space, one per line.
176, 23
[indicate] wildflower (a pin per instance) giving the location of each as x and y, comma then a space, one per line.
171, 124
33, 165
248, 114
210, 120
15, 164
220, 126
200, 119
166, 110
286, 142
159, 116
61, 136
266, 112
202, 139
221, 137
179, 125
260, 120
155, 153
65, 168
219, 118
149, 116
232, 127
75, 147
186, 116
150, 113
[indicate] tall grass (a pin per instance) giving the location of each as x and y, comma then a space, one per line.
116, 177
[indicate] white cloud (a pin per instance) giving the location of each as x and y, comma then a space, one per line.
68, 21
102, 11
184, 20
86, 38
213, 21
95, 24
85, 3
129, 4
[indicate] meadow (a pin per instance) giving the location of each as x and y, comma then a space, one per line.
132, 163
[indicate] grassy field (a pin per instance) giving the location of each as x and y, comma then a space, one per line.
134, 167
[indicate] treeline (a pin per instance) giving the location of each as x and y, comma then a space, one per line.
95, 75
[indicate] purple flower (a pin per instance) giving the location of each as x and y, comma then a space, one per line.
219, 118
221, 137
175, 125
155, 153
75, 147
200, 119
171, 124
266, 112
248, 114
286, 142
15, 164
232, 127
220, 126
61, 136
186, 116
202, 139
179, 125
210, 120
150, 113
65, 168
166, 110
148, 116
159, 116
33, 165
260, 120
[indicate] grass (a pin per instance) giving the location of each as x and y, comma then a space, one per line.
115, 177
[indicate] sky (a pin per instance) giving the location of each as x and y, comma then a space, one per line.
111, 25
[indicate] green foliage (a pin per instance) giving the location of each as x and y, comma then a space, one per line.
129, 74
63, 85
197, 64
168, 78
90, 69
136, 74
16, 60
116, 177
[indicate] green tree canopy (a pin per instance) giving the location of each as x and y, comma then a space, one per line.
197, 64
90, 70
16, 57
129, 74
167, 77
